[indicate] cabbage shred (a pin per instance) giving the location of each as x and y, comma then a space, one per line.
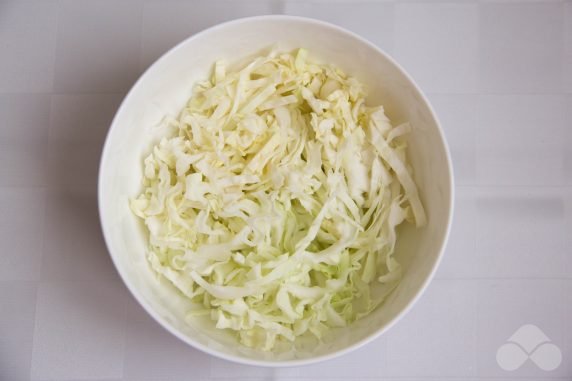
274, 205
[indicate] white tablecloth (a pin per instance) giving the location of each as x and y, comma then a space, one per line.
499, 74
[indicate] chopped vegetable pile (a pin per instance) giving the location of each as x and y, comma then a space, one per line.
275, 205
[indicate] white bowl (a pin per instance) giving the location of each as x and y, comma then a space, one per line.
164, 88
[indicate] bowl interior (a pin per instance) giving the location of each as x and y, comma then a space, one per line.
163, 90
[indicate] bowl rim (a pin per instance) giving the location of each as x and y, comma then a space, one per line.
235, 358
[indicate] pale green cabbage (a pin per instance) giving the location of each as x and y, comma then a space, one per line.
274, 207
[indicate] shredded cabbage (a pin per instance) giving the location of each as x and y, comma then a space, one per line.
275, 204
